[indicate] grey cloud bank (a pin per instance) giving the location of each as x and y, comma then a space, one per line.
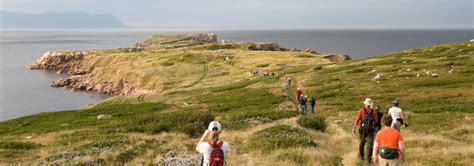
268, 14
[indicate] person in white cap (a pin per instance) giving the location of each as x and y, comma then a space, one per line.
366, 120
214, 151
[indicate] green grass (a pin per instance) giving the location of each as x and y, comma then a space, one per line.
315, 122
298, 157
66, 120
19, 145
441, 104
219, 46
188, 122
143, 117
280, 137
239, 105
232, 86
439, 82
167, 64
263, 65
439, 107
241, 99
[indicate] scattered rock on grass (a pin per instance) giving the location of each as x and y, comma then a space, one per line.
104, 116
286, 105
172, 158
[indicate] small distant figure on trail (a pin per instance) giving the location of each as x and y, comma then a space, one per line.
378, 125
288, 80
397, 115
388, 147
213, 150
366, 119
302, 104
298, 93
312, 103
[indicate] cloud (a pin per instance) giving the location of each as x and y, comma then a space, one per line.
266, 13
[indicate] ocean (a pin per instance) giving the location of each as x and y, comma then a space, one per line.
26, 92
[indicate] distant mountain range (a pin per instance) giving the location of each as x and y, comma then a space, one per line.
54, 20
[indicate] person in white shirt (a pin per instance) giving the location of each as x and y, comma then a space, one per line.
397, 115
205, 146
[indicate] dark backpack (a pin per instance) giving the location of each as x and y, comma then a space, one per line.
302, 100
217, 154
367, 124
388, 153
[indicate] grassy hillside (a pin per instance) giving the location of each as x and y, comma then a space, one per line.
192, 86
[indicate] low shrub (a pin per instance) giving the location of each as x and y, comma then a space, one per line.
241, 99
304, 56
191, 123
233, 86
64, 120
280, 137
319, 67
218, 46
263, 65
239, 119
360, 70
167, 64
315, 122
438, 82
19, 145
296, 156
128, 155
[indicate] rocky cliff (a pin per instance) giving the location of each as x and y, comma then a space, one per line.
81, 75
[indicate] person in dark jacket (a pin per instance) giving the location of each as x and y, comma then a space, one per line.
312, 103
378, 125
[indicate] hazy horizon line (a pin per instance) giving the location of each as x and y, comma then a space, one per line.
128, 28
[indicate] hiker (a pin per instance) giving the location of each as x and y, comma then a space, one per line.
366, 118
312, 103
378, 125
388, 147
289, 81
302, 104
397, 115
298, 93
213, 150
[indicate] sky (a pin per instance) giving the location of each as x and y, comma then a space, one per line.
267, 14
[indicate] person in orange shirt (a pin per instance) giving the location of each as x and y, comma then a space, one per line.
388, 147
366, 120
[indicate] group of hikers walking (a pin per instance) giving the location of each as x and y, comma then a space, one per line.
379, 134
303, 101
383, 145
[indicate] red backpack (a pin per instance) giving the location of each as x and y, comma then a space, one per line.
217, 154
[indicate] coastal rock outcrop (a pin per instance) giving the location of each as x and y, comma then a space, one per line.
338, 57
310, 50
162, 42
204, 38
81, 75
62, 62
267, 47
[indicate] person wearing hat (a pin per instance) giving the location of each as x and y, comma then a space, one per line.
211, 147
289, 82
397, 115
366, 133
298, 93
